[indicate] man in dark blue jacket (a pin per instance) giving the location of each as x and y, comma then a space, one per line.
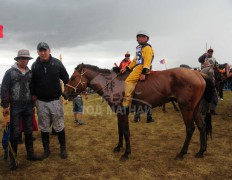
46, 90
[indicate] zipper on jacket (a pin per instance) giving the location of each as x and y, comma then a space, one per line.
45, 70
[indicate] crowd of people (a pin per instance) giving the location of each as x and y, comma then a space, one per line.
23, 89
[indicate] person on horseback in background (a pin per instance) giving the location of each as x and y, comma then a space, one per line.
208, 69
207, 56
139, 67
126, 61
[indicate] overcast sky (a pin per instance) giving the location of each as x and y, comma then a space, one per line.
100, 32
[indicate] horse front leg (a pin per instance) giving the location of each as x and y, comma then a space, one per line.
120, 133
126, 133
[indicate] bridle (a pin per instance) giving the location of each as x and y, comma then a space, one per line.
80, 82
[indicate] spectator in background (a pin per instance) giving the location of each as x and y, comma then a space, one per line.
78, 109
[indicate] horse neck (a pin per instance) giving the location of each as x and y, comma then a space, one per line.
98, 80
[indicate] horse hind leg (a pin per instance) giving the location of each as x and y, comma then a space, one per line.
201, 127
189, 132
189, 124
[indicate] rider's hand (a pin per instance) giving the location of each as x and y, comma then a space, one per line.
142, 77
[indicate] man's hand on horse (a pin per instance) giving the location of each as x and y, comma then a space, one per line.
142, 77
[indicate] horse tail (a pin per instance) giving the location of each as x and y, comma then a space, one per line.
209, 89
208, 95
208, 125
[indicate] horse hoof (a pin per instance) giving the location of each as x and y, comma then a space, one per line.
199, 155
179, 157
116, 150
124, 157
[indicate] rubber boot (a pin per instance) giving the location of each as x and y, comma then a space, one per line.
45, 141
137, 117
61, 138
149, 116
53, 131
13, 154
30, 149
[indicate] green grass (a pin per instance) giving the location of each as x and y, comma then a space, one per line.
154, 147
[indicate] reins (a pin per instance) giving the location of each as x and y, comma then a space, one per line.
108, 82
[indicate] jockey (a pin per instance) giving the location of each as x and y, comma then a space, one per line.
126, 61
139, 67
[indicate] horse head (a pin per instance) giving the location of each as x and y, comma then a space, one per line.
76, 84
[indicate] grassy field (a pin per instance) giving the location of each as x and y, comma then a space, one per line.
154, 147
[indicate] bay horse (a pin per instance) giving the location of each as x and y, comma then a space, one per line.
188, 87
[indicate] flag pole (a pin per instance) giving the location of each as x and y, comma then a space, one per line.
165, 64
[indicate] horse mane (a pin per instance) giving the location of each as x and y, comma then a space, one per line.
94, 68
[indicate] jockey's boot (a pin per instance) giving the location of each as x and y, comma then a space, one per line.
13, 154
45, 141
30, 149
61, 138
